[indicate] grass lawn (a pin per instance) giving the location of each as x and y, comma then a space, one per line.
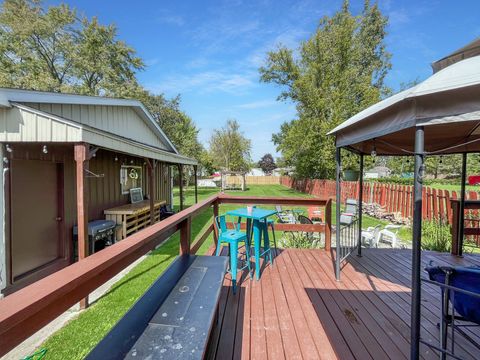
80, 335
454, 187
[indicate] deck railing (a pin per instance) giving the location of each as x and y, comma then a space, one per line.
471, 229
29, 309
348, 239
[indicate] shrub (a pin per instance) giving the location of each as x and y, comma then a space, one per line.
299, 240
436, 235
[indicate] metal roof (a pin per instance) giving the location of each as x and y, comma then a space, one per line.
447, 103
8, 96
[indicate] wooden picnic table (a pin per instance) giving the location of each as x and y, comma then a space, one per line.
133, 217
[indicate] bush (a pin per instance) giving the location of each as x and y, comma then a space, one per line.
409, 181
299, 240
436, 235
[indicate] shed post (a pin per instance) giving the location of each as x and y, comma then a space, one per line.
461, 212
360, 207
338, 256
180, 178
151, 165
195, 179
415, 316
81, 154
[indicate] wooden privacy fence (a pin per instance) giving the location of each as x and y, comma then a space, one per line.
394, 198
254, 180
29, 309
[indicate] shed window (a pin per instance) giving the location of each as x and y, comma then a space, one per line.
130, 177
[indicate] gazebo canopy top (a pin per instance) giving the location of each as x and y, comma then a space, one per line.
447, 104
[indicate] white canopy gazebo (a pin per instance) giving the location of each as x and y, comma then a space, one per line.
441, 115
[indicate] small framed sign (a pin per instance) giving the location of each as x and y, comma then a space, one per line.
136, 195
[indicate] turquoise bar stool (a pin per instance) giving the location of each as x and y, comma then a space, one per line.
271, 224
232, 237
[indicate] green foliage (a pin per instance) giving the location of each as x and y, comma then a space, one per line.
229, 149
177, 125
437, 167
436, 235
338, 72
298, 240
55, 50
267, 164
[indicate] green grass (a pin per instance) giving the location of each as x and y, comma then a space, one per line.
454, 187
80, 335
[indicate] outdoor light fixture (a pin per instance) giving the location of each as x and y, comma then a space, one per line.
441, 159
44, 149
116, 158
131, 161
9, 149
374, 150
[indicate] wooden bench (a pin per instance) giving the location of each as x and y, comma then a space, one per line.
133, 217
174, 318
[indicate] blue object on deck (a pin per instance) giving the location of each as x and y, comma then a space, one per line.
258, 217
465, 278
463, 293
232, 238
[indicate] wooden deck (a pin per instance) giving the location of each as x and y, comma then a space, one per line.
298, 311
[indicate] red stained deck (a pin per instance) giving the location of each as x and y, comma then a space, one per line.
298, 311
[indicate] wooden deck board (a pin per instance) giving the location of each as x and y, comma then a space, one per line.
297, 310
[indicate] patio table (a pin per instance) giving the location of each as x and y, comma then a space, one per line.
259, 218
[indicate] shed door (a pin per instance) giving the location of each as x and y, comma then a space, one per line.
36, 214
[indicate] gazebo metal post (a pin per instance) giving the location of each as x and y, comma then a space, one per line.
360, 207
461, 215
415, 315
338, 256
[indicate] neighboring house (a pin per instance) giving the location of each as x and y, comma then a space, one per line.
378, 172
283, 171
256, 172
67, 158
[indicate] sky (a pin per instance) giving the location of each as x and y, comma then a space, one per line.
209, 52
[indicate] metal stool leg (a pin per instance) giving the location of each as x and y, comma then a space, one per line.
247, 256
233, 263
274, 240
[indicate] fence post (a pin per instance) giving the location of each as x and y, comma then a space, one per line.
215, 214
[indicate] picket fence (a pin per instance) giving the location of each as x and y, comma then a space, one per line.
392, 197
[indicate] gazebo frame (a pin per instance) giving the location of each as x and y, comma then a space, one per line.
439, 116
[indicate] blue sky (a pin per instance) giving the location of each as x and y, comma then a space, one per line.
210, 51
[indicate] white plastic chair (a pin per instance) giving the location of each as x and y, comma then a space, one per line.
389, 235
370, 236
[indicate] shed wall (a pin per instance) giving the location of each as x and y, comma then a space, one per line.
104, 192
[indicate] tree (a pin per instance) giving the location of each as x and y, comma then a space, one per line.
54, 50
338, 72
229, 149
267, 164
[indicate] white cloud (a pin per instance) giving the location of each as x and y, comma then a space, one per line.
257, 104
208, 81
397, 17
172, 20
